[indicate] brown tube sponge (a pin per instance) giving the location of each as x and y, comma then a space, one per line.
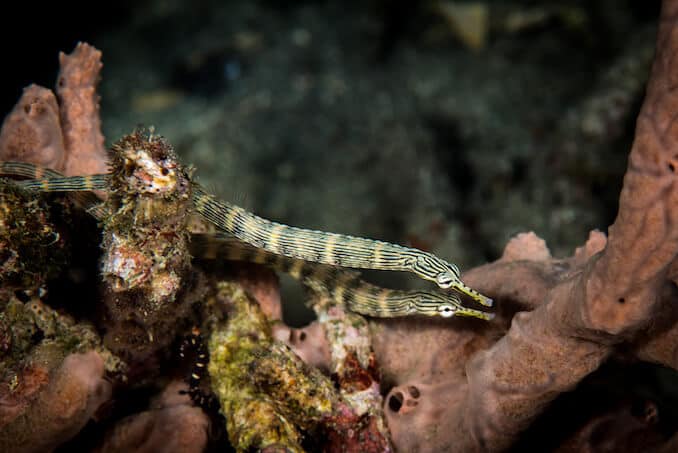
32, 130
585, 308
64, 136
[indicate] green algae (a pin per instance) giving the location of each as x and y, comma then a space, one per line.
252, 420
268, 395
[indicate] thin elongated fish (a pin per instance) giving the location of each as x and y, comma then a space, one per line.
268, 239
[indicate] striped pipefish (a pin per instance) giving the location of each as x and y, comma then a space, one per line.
343, 286
330, 251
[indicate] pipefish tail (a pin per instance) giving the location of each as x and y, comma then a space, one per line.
344, 287
42, 177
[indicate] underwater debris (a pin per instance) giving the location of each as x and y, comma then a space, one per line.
469, 22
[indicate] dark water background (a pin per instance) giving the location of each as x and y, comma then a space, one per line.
375, 118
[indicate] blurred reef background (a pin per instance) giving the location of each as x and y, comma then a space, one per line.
450, 126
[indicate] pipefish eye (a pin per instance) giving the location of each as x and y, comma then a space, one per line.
447, 310
444, 279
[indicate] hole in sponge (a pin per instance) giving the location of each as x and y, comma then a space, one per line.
395, 402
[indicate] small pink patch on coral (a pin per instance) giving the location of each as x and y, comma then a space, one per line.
526, 246
263, 285
309, 343
596, 243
